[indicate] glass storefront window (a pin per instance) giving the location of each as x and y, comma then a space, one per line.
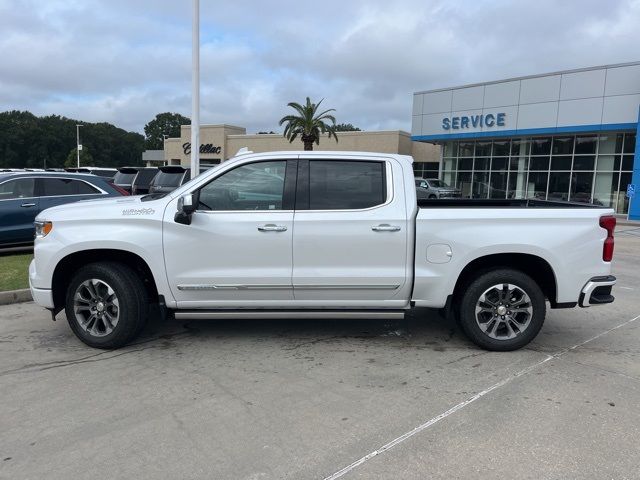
449, 164
560, 163
449, 178
586, 145
581, 184
608, 162
498, 164
629, 143
481, 164
463, 183
498, 185
465, 149
562, 146
518, 164
451, 149
582, 168
501, 148
537, 185
517, 185
541, 146
465, 163
480, 184
483, 149
606, 188
520, 147
623, 201
539, 163
584, 162
559, 186
608, 143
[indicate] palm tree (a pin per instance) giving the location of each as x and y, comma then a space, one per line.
309, 124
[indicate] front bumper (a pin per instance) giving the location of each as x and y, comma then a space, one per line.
42, 296
597, 291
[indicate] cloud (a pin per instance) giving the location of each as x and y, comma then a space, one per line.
123, 62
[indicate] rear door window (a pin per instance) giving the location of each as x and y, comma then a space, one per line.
18, 188
346, 185
168, 179
53, 187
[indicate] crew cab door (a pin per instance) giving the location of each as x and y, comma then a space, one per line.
237, 251
350, 233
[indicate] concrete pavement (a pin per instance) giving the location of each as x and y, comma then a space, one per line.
326, 399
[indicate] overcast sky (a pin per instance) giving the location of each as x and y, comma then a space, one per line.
123, 61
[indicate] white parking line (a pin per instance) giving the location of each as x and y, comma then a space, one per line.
461, 405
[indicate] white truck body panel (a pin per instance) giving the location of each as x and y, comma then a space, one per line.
322, 258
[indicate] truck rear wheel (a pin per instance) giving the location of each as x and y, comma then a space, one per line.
502, 310
106, 304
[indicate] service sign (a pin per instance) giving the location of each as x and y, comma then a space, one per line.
466, 122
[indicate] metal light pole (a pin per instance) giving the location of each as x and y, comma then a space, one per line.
78, 146
195, 91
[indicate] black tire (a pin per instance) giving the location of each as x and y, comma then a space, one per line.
132, 309
432, 196
496, 325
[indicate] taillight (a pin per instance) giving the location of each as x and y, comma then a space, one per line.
609, 224
120, 190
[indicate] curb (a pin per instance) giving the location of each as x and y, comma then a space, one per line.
15, 296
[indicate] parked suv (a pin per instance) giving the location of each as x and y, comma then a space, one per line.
169, 178
25, 194
142, 180
434, 188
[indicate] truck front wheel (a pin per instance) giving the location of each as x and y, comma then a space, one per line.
106, 304
502, 310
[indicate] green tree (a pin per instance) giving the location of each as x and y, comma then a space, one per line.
309, 124
86, 160
30, 141
346, 127
163, 124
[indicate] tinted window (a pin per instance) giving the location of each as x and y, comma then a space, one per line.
123, 178
339, 185
256, 186
145, 176
164, 179
19, 188
66, 186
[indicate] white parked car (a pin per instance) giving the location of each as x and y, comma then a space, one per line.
314, 235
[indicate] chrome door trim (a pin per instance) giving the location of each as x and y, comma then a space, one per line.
204, 286
345, 287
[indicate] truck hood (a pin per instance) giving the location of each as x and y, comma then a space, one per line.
108, 208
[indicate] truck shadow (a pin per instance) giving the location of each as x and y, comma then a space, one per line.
421, 327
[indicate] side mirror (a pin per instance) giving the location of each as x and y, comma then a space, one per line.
187, 205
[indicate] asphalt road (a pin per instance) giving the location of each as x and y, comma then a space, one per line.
326, 399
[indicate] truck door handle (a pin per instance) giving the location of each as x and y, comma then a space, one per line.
27, 205
270, 227
385, 227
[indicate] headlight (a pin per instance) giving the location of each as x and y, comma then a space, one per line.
43, 228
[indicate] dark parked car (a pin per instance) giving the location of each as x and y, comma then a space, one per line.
124, 177
25, 194
142, 180
169, 178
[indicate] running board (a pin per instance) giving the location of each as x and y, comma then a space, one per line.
287, 314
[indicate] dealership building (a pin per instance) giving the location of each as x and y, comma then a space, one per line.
567, 135
221, 142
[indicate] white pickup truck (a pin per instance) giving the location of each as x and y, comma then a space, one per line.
318, 235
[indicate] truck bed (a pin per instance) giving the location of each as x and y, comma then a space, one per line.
500, 203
